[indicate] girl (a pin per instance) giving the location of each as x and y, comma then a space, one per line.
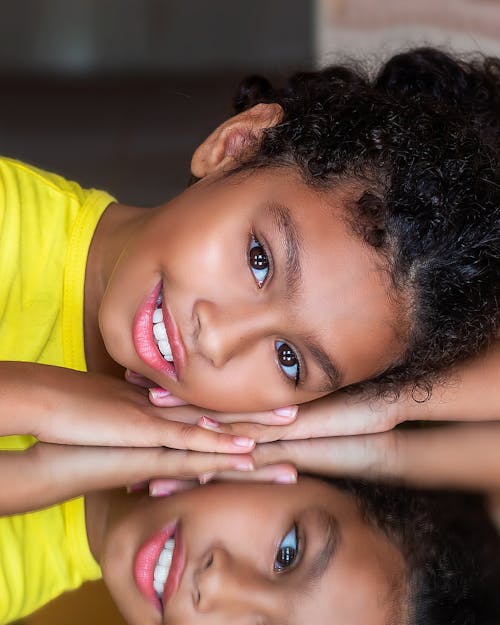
343, 232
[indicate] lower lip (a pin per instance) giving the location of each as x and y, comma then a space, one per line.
144, 343
145, 562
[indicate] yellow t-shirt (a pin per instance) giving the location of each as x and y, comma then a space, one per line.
46, 226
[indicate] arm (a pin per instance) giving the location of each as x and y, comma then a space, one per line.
470, 393
63, 406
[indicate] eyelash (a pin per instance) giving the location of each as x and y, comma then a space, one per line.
281, 568
257, 253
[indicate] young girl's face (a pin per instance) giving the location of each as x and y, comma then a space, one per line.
258, 292
250, 554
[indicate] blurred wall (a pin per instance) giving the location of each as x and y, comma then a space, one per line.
375, 29
89, 36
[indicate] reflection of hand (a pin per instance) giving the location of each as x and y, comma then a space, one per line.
47, 473
70, 407
458, 456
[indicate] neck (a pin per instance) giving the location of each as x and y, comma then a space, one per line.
115, 228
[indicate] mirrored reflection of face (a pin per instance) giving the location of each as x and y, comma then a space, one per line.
253, 554
268, 298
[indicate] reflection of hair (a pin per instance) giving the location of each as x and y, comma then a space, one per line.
450, 545
421, 144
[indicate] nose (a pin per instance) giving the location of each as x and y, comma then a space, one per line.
225, 332
227, 586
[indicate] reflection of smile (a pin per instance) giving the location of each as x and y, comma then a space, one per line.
155, 336
158, 566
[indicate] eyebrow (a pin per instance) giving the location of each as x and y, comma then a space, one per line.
290, 238
332, 537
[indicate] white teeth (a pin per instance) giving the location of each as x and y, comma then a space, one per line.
160, 333
162, 567
157, 315
166, 557
165, 349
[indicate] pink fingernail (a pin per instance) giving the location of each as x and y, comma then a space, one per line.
244, 466
208, 423
158, 392
204, 478
160, 491
286, 478
286, 411
243, 441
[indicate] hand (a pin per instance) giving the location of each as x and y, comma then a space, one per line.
164, 399
338, 414
66, 406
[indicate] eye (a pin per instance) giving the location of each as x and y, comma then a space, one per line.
288, 361
258, 261
288, 551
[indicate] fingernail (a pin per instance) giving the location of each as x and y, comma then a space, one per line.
208, 423
288, 412
158, 392
243, 441
160, 491
244, 466
204, 478
286, 478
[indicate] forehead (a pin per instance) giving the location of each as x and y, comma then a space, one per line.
365, 584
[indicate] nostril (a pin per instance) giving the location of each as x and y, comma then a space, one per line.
209, 560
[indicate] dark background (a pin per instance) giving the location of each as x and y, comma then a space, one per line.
116, 94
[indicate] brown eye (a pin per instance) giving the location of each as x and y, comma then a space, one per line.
258, 261
287, 551
288, 360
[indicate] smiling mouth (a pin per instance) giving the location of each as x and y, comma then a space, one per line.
160, 335
159, 565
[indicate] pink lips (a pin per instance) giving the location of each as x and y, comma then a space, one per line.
145, 562
144, 343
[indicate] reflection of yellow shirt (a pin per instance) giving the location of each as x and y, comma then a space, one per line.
46, 226
42, 554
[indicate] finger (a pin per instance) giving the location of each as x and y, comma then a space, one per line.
284, 473
137, 379
162, 398
256, 431
279, 416
168, 486
194, 438
187, 464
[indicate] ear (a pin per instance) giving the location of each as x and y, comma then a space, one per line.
239, 134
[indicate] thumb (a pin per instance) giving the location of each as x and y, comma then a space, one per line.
162, 398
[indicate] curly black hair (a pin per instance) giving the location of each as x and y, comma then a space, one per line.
421, 140
450, 545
